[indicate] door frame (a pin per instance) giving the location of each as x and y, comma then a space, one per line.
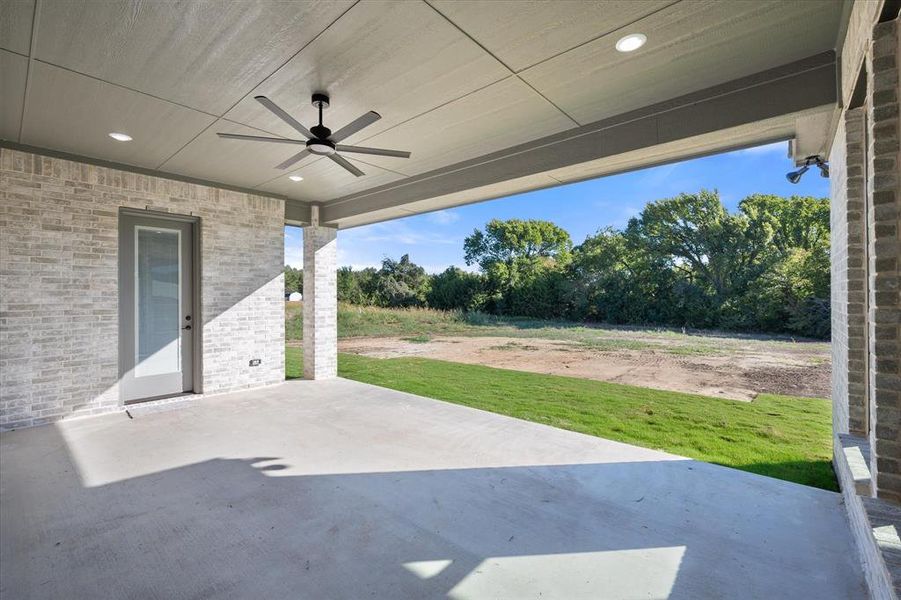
197, 345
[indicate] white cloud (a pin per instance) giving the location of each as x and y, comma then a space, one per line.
781, 147
294, 246
350, 257
443, 217
294, 257
434, 269
616, 214
401, 233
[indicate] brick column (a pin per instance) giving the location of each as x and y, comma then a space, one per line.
849, 297
320, 300
884, 197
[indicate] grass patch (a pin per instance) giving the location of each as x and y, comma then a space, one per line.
415, 324
610, 345
696, 350
513, 346
780, 436
418, 339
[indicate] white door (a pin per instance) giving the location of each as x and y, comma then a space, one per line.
156, 330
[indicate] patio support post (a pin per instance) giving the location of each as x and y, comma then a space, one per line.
320, 300
884, 240
849, 276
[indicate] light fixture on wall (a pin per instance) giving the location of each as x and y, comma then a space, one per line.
822, 165
295, 178
120, 137
631, 42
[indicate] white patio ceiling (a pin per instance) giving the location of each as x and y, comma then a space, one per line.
453, 80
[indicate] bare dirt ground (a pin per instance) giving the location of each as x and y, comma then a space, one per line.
735, 368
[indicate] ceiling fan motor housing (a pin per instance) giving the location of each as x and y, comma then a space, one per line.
320, 143
319, 146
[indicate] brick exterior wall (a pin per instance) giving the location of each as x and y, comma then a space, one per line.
320, 302
848, 230
856, 45
59, 284
879, 573
884, 262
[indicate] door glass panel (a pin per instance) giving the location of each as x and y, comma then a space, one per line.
157, 301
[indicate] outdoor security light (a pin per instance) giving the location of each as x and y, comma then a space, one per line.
795, 176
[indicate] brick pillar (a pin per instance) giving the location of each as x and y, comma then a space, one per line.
849, 296
884, 197
320, 300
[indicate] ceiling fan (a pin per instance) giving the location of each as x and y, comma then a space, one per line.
320, 139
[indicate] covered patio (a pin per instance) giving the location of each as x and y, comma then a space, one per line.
148, 167
337, 489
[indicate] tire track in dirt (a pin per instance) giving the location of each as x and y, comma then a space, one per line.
731, 368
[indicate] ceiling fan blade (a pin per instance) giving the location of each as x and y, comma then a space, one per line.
346, 164
355, 126
375, 151
296, 158
258, 138
273, 107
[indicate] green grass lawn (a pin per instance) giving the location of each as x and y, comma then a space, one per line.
780, 436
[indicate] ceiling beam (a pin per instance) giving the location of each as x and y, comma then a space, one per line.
297, 213
791, 89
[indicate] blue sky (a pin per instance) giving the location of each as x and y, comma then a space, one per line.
435, 240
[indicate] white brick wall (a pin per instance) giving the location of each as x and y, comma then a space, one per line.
320, 302
59, 288
849, 352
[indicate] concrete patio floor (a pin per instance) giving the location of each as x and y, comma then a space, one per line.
336, 489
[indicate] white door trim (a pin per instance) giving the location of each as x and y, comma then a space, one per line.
132, 387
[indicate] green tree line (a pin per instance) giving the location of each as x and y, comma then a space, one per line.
684, 262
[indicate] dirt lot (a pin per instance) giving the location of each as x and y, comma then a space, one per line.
726, 367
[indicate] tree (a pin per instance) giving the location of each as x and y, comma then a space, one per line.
683, 261
522, 263
615, 281
455, 289
689, 261
401, 283
793, 293
351, 286
795, 222
720, 251
515, 239
293, 279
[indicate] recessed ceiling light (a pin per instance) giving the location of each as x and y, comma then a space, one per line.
295, 178
631, 42
120, 137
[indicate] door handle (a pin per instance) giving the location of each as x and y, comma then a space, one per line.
186, 327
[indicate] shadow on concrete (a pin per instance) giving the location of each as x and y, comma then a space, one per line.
258, 527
